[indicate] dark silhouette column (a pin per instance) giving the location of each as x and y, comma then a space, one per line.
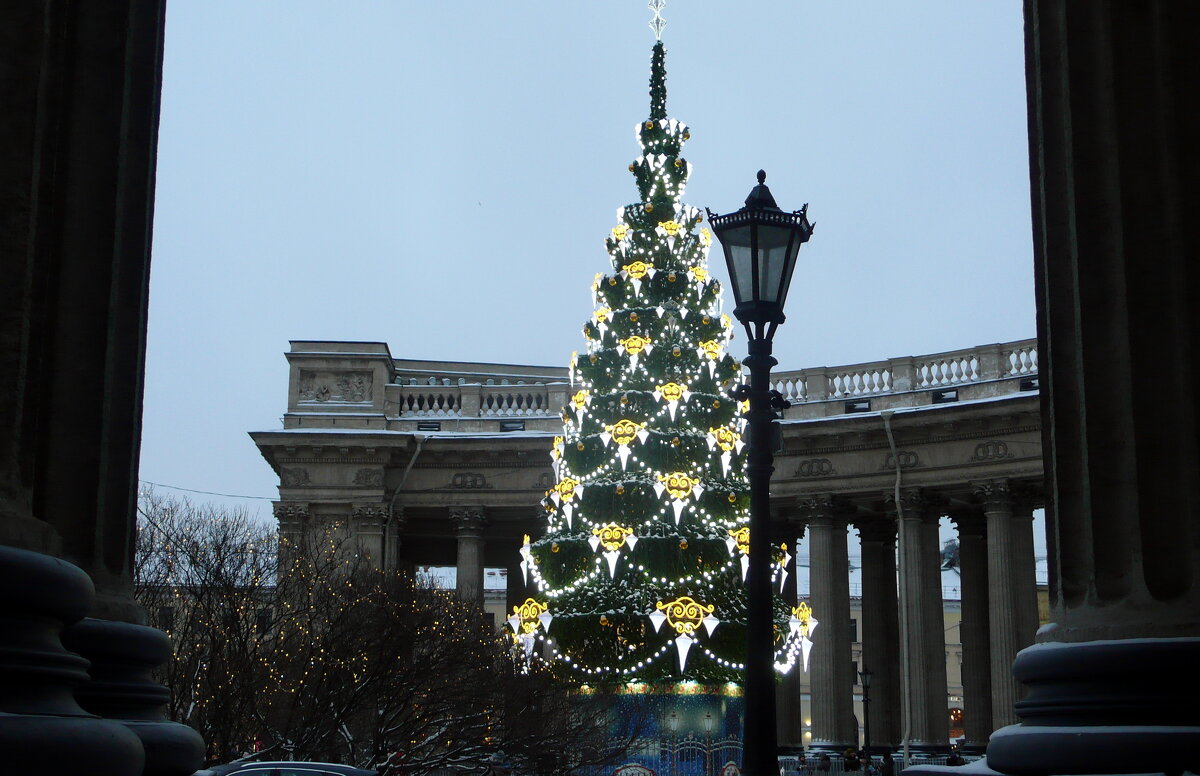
1024, 571
833, 725
77, 165
880, 627
1112, 125
789, 726
974, 627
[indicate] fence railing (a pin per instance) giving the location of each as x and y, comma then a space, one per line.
441, 399
957, 367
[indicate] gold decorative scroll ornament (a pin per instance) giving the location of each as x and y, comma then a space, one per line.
624, 431
678, 484
529, 612
671, 227
579, 399
638, 269
566, 488
685, 614
711, 348
741, 537
671, 391
635, 344
802, 613
726, 438
619, 231
699, 273
612, 536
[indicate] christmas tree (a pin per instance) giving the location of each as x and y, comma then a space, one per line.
640, 576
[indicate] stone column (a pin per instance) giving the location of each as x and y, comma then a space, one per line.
789, 728
880, 627
82, 85
833, 725
367, 528
1024, 572
468, 525
1003, 625
921, 606
974, 627
1111, 682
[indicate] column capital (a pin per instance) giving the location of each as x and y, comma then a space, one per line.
369, 511
916, 503
468, 521
290, 510
996, 495
822, 506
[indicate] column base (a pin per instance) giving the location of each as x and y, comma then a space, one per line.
1126, 706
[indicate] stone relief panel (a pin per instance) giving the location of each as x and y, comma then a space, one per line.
468, 481
815, 467
294, 478
341, 387
369, 478
285, 511
992, 450
907, 458
545, 481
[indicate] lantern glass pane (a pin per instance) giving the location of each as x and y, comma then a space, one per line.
736, 242
773, 262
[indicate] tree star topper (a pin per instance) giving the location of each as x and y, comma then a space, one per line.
657, 23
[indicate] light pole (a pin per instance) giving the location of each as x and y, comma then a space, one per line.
761, 243
864, 678
708, 724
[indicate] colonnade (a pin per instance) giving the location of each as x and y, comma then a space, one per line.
902, 613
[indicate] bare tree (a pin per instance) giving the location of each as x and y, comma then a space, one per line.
302, 649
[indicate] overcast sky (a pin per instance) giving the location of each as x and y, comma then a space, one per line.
441, 176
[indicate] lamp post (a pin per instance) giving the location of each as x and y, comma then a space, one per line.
673, 724
761, 243
708, 725
864, 678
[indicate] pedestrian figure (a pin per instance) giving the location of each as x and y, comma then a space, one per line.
850, 760
824, 764
888, 767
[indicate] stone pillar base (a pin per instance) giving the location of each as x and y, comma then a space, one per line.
1104, 707
122, 689
42, 728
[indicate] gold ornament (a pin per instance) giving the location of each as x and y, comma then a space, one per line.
566, 488
529, 612
687, 135
624, 431
581, 447
587, 331
620, 231
678, 484
716, 404
742, 538
649, 207
580, 399
671, 391
700, 273
638, 269
611, 535
633, 317
675, 351
725, 437
671, 227
685, 614
676, 441
604, 620
620, 490
635, 344
711, 348
593, 358
631, 167
683, 545
678, 162
554, 547
706, 320
612, 281
803, 613
732, 498
672, 277
602, 314
649, 124
705, 238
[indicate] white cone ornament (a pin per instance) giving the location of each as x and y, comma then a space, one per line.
526, 559
657, 618
745, 566
544, 618
806, 643
683, 643
711, 623
595, 542
611, 556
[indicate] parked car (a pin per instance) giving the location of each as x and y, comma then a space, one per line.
282, 768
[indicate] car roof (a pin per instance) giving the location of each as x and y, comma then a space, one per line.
349, 770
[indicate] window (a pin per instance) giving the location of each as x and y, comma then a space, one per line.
854, 672
164, 618
262, 623
853, 630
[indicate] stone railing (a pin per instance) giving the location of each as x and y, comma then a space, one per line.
911, 373
441, 399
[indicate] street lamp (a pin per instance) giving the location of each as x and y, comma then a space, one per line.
673, 724
864, 678
708, 725
761, 243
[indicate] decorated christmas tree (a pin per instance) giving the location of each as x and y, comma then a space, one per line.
640, 576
